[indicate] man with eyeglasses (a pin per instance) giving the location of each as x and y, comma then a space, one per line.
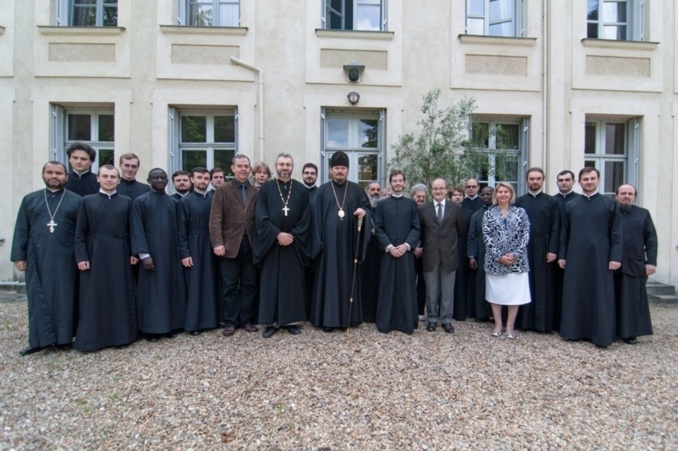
472, 201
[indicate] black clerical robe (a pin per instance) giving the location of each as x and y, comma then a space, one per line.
161, 294
107, 313
477, 305
590, 238
397, 222
203, 284
51, 271
639, 249
474, 204
82, 184
543, 211
370, 270
558, 272
462, 274
282, 207
334, 243
132, 188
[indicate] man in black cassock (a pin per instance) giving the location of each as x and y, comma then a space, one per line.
590, 250
543, 211
182, 184
161, 294
43, 247
309, 175
338, 206
107, 313
129, 186
203, 288
639, 260
81, 180
478, 307
282, 224
419, 194
397, 224
472, 200
370, 267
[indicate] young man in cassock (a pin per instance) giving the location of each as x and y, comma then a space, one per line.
339, 205
107, 313
161, 293
590, 250
231, 235
478, 307
43, 247
200, 264
129, 186
182, 184
397, 224
309, 175
81, 180
441, 223
639, 260
282, 224
370, 267
543, 211
472, 200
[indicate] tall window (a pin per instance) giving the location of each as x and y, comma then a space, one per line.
87, 13
355, 14
495, 17
608, 147
209, 13
360, 135
95, 127
202, 138
615, 19
502, 150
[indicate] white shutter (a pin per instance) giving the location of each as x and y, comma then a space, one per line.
57, 129
173, 140
524, 146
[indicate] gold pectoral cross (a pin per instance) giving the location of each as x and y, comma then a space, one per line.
285, 209
51, 224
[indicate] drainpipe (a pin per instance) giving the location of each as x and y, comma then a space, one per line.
544, 103
260, 100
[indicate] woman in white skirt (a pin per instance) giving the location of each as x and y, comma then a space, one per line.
506, 232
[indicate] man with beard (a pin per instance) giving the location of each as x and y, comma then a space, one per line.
338, 206
81, 180
283, 222
472, 201
543, 211
182, 184
231, 235
309, 174
397, 224
199, 262
590, 250
478, 307
129, 186
161, 294
217, 178
43, 247
419, 194
639, 260
369, 269
107, 311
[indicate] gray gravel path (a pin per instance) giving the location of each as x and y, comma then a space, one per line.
364, 391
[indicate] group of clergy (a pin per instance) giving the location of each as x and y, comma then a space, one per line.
109, 259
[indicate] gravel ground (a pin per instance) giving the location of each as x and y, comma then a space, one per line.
331, 391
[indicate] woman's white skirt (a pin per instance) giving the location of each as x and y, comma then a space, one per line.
508, 289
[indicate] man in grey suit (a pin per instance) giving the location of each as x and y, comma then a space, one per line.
441, 221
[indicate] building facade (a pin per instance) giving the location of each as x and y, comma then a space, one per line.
190, 82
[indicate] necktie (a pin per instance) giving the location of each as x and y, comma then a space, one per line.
440, 213
243, 193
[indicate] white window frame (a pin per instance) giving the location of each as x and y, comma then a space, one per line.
635, 21
65, 13
184, 9
354, 150
358, 6
517, 20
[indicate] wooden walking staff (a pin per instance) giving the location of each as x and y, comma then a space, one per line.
355, 268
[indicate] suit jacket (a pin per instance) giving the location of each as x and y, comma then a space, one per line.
439, 241
230, 218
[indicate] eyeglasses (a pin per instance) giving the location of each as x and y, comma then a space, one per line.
471, 186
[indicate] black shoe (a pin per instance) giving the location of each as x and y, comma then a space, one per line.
195, 332
152, 338
270, 331
431, 327
64, 347
448, 328
294, 330
630, 341
328, 329
28, 351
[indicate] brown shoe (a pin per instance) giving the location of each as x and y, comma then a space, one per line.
228, 331
250, 328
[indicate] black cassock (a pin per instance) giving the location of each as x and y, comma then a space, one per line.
51, 271
161, 294
558, 273
84, 184
477, 306
462, 274
543, 211
203, 292
282, 290
107, 305
370, 270
334, 243
590, 238
397, 221
639, 249
132, 188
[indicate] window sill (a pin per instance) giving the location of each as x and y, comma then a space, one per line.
221, 31
497, 40
614, 44
355, 34
80, 31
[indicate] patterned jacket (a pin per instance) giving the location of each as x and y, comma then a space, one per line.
503, 236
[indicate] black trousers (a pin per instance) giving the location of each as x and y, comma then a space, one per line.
239, 281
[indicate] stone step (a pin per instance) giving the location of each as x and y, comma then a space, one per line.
656, 288
663, 299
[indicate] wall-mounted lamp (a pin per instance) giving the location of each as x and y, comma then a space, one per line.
353, 97
353, 71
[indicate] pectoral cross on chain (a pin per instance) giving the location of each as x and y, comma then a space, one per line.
51, 224
285, 209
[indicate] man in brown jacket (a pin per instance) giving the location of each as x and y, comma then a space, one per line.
231, 233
